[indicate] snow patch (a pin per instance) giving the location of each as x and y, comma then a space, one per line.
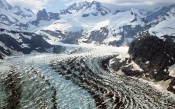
101, 24
171, 70
135, 66
147, 62
111, 39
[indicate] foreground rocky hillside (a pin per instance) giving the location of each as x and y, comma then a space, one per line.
151, 58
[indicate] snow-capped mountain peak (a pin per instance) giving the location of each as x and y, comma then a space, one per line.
86, 8
136, 12
78, 6
42, 15
14, 18
89, 21
96, 8
75, 7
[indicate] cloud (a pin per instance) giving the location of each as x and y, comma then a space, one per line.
69, 2
125, 1
34, 5
56, 5
129, 3
143, 4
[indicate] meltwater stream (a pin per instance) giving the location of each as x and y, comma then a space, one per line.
74, 79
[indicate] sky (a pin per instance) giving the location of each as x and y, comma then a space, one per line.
57, 5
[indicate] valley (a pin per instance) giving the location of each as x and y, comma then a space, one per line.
75, 79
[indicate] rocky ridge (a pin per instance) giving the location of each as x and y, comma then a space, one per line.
21, 43
149, 57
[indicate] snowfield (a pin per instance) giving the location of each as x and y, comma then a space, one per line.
75, 79
166, 27
172, 70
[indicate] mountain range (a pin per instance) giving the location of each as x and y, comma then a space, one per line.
48, 60
85, 23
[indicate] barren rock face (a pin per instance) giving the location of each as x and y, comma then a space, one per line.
153, 55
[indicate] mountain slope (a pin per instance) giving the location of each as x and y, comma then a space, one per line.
161, 14
165, 27
161, 21
16, 42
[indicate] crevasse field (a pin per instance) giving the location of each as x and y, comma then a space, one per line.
75, 79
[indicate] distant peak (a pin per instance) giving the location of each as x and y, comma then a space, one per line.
42, 14
81, 5
78, 5
86, 8
43, 10
95, 2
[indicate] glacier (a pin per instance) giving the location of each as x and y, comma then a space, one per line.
75, 79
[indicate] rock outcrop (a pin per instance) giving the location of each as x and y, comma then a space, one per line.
153, 55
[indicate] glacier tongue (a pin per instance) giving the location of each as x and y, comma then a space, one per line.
74, 79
